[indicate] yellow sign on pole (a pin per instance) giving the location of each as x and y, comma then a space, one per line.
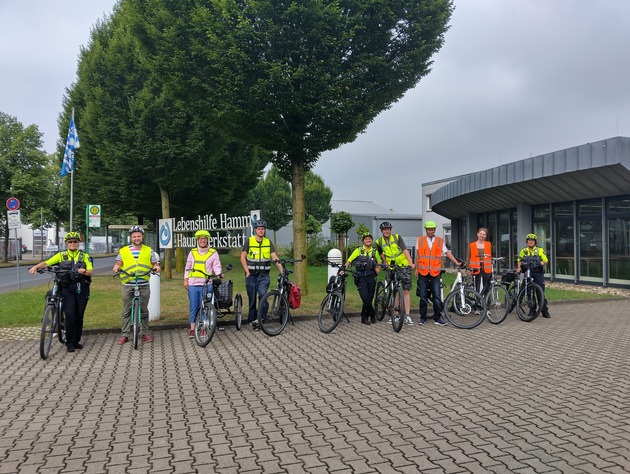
94, 215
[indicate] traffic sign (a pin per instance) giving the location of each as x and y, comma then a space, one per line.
13, 204
14, 219
94, 215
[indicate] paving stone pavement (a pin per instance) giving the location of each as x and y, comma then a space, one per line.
543, 397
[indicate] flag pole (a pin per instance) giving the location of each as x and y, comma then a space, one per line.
71, 184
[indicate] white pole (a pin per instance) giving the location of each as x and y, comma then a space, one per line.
72, 182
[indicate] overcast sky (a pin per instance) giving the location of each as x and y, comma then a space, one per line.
515, 78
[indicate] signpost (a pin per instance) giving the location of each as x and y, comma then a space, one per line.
15, 222
93, 218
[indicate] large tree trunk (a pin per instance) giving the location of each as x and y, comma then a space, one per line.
166, 213
299, 222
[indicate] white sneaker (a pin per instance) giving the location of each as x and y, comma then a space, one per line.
389, 321
408, 321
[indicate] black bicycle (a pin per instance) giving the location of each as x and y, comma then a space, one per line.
273, 310
136, 306
54, 319
530, 299
210, 309
331, 310
388, 297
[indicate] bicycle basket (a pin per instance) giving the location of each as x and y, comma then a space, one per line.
508, 277
224, 294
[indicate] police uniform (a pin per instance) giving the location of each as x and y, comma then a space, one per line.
365, 261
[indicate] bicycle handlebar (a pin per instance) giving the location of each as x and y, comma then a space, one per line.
54, 269
137, 274
284, 261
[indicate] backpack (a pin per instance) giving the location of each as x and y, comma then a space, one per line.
295, 296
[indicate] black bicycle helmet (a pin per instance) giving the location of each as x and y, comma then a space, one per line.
385, 225
136, 228
260, 223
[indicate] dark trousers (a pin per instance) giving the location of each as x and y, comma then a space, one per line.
367, 287
75, 300
256, 286
432, 284
539, 278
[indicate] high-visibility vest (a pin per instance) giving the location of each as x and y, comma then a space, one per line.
259, 255
476, 259
199, 263
392, 250
429, 261
131, 265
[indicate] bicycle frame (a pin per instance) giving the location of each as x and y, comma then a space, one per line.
331, 307
53, 321
136, 303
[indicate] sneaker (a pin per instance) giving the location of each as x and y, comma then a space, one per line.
147, 338
423, 321
546, 315
255, 326
78, 345
389, 320
191, 334
477, 311
439, 322
408, 321
70, 348
122, 339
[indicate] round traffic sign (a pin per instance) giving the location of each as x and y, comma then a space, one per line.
13, 204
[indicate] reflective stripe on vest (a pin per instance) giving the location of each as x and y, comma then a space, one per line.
476, 259
199, 263
392, 251
429, 261
131, 265
259, 255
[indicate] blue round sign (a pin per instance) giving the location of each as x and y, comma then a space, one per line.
13, 204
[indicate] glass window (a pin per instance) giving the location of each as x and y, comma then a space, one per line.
619, 238
564, 240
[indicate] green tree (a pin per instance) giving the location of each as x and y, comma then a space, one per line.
340, 223
146, 148
301, 78
318, 197
24, 171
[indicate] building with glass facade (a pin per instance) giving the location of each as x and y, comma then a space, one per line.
576, 200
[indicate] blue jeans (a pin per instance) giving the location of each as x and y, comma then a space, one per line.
256, 286
195, 294
433, 283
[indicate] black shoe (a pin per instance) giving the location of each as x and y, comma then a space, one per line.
365, 321
255, 326
546, 315
78, 345
70, 348
373, 319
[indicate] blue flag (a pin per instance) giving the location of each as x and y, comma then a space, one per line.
72, 143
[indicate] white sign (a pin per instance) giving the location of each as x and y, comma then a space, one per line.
165, 229
14, 219
94, 215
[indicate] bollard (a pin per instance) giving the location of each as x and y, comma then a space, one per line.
154, 299
334, 255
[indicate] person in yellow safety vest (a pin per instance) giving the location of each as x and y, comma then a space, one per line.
430, 250
392, 247
136, 257
481, 259
538, 272
75, 286
202, 260
257, 255
366, 263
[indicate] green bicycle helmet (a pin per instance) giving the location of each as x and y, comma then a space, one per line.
202, 233
430, 225
72, 236
531, 237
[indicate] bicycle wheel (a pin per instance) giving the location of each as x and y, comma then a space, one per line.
48, 330
238, 311
512, 292
497, 304
205, 325
529, 302
397, 309
330, 312
380, 301
273, 313
135, 321
60, 324
465, 308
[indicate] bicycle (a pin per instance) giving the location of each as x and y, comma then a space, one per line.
389, 297
136, 312
531, 298
273, 310
464, 307
54, 319
210, 309
496, 297
331, 308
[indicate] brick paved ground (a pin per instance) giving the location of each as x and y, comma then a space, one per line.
541, 397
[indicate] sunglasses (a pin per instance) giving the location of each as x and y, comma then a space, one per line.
72, 241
